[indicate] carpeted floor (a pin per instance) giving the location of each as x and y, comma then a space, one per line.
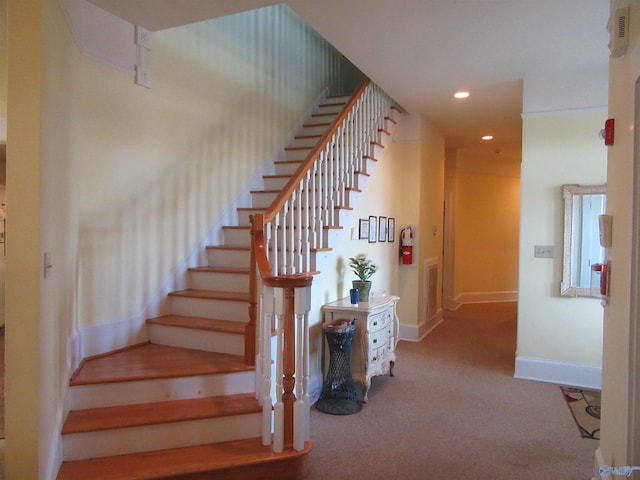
454, 410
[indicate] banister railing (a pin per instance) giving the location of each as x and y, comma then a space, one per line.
282, 242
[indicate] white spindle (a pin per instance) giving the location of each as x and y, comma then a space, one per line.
303, 401
266, 319
278, 409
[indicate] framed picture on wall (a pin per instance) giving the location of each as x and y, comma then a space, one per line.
382, 229
363, 230
373, 229
391, 229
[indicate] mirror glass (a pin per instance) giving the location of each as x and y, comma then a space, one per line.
582, 206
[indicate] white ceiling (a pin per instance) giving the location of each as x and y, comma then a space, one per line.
421, 51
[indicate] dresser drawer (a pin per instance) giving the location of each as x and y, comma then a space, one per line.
379, 357
380, 320
379, 339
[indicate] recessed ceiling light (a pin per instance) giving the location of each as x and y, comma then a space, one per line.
487, 137
461, 94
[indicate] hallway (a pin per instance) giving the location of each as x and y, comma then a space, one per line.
454, 410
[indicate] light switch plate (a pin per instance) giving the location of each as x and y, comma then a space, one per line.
543, 251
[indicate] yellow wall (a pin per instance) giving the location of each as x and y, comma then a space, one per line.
3, 81
557, 149
26, 363
486, 220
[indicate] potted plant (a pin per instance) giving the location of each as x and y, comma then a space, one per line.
363, 268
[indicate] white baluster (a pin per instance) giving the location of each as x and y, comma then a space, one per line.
303, 401
278, 409
266, 320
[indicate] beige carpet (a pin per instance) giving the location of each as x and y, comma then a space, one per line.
454, 411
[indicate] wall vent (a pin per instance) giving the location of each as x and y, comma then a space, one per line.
430, 289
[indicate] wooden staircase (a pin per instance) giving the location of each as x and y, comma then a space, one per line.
183, 405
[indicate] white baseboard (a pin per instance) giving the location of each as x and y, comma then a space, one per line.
415, 333
561, 373
481, 297
105, 337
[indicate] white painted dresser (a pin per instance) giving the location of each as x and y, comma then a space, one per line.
374, 346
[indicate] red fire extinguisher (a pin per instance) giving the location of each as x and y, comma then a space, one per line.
406, 246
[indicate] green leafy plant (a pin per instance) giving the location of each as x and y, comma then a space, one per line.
362, 266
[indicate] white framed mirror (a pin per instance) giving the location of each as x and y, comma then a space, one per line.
581, 249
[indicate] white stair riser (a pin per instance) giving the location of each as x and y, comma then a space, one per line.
320, 119
275, 183
240, 237
243, 216
158, 437
160, 390
228, 258
310, 129
288, 168
205, 340
207, 308
330, 108
263, 199
297, 154
220, 281
303, 141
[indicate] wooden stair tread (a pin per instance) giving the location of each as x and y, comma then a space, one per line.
177, 462
211, 295
198, 323
141, 414
150, 361
278, 162
276, 176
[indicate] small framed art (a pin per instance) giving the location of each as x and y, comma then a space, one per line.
382, 229
391, 229
373, 229
363, 230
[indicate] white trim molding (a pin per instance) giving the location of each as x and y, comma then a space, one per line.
415, 333
561, 373
482, 297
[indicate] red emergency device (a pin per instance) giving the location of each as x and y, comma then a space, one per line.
406, 246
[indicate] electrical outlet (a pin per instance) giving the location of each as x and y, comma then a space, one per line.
543, 251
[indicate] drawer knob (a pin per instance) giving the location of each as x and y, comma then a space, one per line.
375, 324
375, 340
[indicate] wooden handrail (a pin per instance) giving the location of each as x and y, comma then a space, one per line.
295, 179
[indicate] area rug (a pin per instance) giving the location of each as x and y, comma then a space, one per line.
585, 408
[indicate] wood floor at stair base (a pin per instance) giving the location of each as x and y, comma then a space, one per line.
238, 460
149, 438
